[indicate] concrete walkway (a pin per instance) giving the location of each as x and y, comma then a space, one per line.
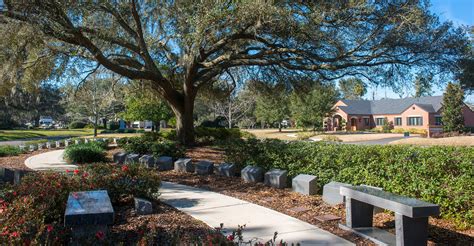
52, 160
213, 209
261, 223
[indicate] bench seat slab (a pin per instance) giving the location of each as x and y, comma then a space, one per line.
409, 207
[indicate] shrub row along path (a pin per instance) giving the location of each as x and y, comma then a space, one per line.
52, 160
213, 209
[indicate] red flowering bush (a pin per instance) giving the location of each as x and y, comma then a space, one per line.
33, 211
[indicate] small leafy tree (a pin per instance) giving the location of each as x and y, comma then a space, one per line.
309, 108
144, 105
453, 102
272, 103
387, 125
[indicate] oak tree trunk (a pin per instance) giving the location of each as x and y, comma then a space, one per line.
183, 108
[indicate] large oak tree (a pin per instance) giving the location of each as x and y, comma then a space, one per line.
179, 46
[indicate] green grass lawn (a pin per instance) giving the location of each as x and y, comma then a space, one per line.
7, 135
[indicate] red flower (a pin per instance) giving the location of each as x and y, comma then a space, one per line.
14, 193
125, 168
230, 238
76, 171
100, 235
84, 175
49, 228
15, 234
67, 171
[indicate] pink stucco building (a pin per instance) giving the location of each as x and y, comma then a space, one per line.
422, 113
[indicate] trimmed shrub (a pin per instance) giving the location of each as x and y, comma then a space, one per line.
8, 150
85, 153
34, 210
137, 145
152, 143
113, 125
330, 138
211, 135
443, 175
77, 125
167, 148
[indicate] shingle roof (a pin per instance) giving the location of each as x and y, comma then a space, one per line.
391, 106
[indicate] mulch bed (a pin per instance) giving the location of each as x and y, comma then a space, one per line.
307, 208
18, 162
166, 225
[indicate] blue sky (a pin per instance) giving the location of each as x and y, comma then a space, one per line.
461, 13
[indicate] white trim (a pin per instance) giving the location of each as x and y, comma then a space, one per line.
380, 117
354, 117
366, 117
415, 116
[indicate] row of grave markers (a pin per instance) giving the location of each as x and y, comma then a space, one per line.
61, 144
303, 183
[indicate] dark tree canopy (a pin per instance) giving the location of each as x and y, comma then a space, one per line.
179, 46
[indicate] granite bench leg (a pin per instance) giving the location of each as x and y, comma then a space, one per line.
411, 231
358, 214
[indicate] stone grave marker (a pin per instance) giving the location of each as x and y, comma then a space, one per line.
331, 194
184, 165
276, 178
143, 206
305, 184
119, 157
88, 212
204, 168
164, 163
147, 161
226, 169
252, 174
132, 158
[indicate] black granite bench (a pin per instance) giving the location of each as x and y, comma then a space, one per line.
411, 215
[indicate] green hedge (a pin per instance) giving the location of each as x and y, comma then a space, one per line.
77, 125
152, 143
440, 174
86, 152
8, 150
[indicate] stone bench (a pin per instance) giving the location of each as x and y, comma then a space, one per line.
276, 178
184, 165
88, 212
164, 163
226, 169
204, 168
411, 215
252, 174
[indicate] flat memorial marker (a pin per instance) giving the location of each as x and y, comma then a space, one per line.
88, 208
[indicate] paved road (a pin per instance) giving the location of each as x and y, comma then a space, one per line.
261, 223
382, 141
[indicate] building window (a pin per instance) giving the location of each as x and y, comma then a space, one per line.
379, 121
398, 121
414, 121
438, 120
366, 122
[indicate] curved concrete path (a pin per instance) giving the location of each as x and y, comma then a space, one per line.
213, 209
261, 223
52, 160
